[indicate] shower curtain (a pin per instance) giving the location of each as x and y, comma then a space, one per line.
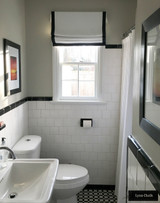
125, 127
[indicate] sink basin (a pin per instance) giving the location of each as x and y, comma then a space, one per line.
28, 180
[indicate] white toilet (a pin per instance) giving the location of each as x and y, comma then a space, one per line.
70, 179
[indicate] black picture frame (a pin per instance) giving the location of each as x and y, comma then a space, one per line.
12, 67
149, 127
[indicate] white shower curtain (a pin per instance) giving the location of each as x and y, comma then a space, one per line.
125, 127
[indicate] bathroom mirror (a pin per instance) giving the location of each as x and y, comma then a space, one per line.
150, 77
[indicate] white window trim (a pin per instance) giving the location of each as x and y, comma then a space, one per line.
57, 83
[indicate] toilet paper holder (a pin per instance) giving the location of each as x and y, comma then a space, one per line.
86, 122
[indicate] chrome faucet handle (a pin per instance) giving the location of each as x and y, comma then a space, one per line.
11, 152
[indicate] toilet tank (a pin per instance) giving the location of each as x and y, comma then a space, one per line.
28, 147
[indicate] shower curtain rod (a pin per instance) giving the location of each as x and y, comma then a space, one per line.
128, 32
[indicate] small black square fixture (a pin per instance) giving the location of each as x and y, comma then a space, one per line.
82, 120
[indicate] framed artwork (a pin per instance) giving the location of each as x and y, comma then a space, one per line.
12, 67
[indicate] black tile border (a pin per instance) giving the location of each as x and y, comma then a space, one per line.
148, 166
12, 106
99, 187
22, 101
39, 98
113, 46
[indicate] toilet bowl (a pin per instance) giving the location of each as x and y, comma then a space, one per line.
70, 180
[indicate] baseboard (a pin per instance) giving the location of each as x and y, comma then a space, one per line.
100, 187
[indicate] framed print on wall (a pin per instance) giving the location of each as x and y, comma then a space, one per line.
12, 67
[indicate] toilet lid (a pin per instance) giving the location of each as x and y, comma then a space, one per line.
70, 172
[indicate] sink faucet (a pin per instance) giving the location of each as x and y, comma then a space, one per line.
11, 152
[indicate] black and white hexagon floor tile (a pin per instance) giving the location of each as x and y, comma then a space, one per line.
96, 196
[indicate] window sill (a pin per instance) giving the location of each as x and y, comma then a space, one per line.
78, 101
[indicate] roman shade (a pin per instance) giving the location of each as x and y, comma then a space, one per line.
78, 28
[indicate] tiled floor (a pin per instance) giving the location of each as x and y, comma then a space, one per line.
96, 196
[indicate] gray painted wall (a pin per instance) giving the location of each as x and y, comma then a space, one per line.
121, 17
12, 27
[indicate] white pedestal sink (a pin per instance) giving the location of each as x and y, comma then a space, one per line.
28, 180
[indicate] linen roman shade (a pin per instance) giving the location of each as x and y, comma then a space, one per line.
78, 28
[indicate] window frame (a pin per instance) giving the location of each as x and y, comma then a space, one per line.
57, 79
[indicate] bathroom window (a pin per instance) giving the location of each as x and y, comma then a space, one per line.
76, 72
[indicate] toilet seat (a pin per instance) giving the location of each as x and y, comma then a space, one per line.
69, 172
71, 176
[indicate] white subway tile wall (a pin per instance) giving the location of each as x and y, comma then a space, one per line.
16, 122
62, 137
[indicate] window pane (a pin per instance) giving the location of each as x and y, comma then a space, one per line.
69, 88
78, 54
69, 72
86, 89
87, 72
